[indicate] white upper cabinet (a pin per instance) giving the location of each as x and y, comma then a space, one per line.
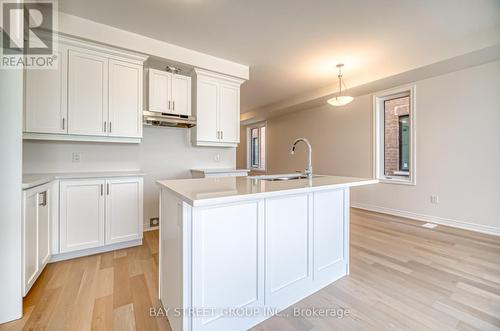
45, 103
159, 90
125, 99
207, 110
229, 113
181, 95
169, 93
87, 93
217, 109
95, 94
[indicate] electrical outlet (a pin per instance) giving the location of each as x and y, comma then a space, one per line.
76, 157
154, 221
435, 199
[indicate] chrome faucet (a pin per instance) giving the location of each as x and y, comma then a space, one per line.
309, 170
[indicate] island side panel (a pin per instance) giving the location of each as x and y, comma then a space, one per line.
288, 249
228, 265
175, 229
347, 229
331, 230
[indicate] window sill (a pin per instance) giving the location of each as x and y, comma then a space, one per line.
397, 181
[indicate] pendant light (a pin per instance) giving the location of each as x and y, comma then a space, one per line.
340, 99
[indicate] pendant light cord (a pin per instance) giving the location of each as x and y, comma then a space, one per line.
340, 81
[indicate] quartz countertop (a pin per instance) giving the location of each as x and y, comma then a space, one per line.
208, 191
32, 180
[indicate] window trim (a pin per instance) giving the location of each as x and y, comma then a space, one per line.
249, 147
378, 133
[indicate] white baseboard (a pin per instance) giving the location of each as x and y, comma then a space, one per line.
429, 218
92, 251
150, 228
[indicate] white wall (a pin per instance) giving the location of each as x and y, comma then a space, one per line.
164, 153
10, 193
458, 149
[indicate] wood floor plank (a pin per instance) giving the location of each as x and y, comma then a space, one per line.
121, 282
123, 318
102, 315
142, 304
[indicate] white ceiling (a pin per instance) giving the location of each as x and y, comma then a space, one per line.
293, 46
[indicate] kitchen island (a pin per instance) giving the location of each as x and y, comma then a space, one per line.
235, 251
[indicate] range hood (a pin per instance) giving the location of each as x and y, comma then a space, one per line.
168, 120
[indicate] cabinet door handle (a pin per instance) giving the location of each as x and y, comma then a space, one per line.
105, 124
102, 188
109, 127
44, 201
63, 123
107, 188
173, 105
222, 135
218, 134
168, 104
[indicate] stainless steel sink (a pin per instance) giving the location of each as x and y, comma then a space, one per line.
278, 178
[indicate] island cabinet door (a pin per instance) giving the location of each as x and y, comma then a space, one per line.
330, 236
288, 242
227, 265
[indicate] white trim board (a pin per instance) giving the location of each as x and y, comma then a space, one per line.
429, 218
95, 250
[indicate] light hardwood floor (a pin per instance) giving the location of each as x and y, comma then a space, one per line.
403, 277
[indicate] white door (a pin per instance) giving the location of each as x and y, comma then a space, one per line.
45, 98
87, 93
125, 99
81, 214
229, 113
44, 227
30, 239
159, 91
207, 110
123, 209
288, 249
181, 95
227, 263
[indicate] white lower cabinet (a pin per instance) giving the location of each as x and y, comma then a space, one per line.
123, 209
98, 212
36, 233
81, 214
75, 217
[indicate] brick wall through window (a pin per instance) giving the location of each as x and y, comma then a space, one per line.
393, 109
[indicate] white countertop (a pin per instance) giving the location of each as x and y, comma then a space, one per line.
218, 171
32, 180
208, 191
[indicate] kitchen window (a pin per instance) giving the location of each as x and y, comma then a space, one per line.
256, 147
394, 123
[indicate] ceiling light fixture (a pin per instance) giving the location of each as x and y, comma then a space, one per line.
340, 99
